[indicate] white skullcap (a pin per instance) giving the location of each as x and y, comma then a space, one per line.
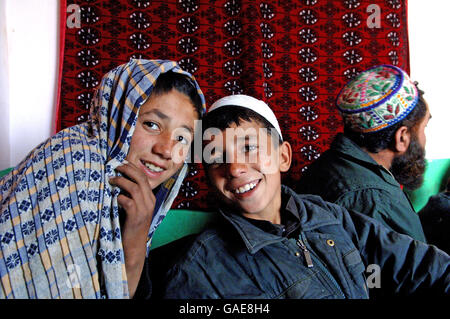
251, 103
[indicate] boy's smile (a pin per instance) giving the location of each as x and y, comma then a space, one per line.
249, 177
246, 189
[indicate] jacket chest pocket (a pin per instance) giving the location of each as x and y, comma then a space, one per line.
311, 286
354, 262
356, 269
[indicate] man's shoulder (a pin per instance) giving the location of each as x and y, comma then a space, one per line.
374, 200
335, 164
333, 175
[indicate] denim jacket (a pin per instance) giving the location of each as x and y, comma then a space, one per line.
327, 259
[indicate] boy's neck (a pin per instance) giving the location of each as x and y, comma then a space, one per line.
273, 218
271, 213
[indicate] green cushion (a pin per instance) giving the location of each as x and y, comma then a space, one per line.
435, 179
5, 171
180, 223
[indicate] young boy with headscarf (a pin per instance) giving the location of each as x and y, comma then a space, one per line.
60, 232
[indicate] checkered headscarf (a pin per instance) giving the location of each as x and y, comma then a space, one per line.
59, 217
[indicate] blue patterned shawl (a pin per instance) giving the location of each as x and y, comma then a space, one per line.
60, 235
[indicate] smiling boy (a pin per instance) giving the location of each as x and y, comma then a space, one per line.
244, 173
274, 243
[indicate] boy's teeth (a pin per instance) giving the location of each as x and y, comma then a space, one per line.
245, 188
153, 167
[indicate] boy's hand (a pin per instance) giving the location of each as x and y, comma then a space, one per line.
138, 203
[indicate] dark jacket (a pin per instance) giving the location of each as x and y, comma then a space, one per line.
435, 218
326, 258
346, 175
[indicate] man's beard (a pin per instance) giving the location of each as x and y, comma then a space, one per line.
409, 168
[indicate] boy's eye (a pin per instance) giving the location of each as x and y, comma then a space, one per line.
182, 140
151, 125
250, 147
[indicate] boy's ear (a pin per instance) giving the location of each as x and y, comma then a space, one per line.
285, 156
402, 139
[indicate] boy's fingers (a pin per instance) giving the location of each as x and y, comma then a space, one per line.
125, 202
133, 173
125, 184
134, 190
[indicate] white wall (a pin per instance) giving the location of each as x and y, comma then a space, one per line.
4, 91
32, 49
430, 66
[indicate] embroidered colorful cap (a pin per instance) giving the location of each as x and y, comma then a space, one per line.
377, 98
251, 103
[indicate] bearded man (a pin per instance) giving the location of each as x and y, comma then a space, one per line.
382, 148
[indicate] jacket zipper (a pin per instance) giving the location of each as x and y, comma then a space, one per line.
306, 253
319, 263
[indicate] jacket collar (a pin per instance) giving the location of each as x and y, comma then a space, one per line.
255, 238
351, 150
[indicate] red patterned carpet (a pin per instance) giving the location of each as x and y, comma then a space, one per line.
295, 55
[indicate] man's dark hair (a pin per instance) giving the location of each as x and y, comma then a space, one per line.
383, 139
183, 84
222, 118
